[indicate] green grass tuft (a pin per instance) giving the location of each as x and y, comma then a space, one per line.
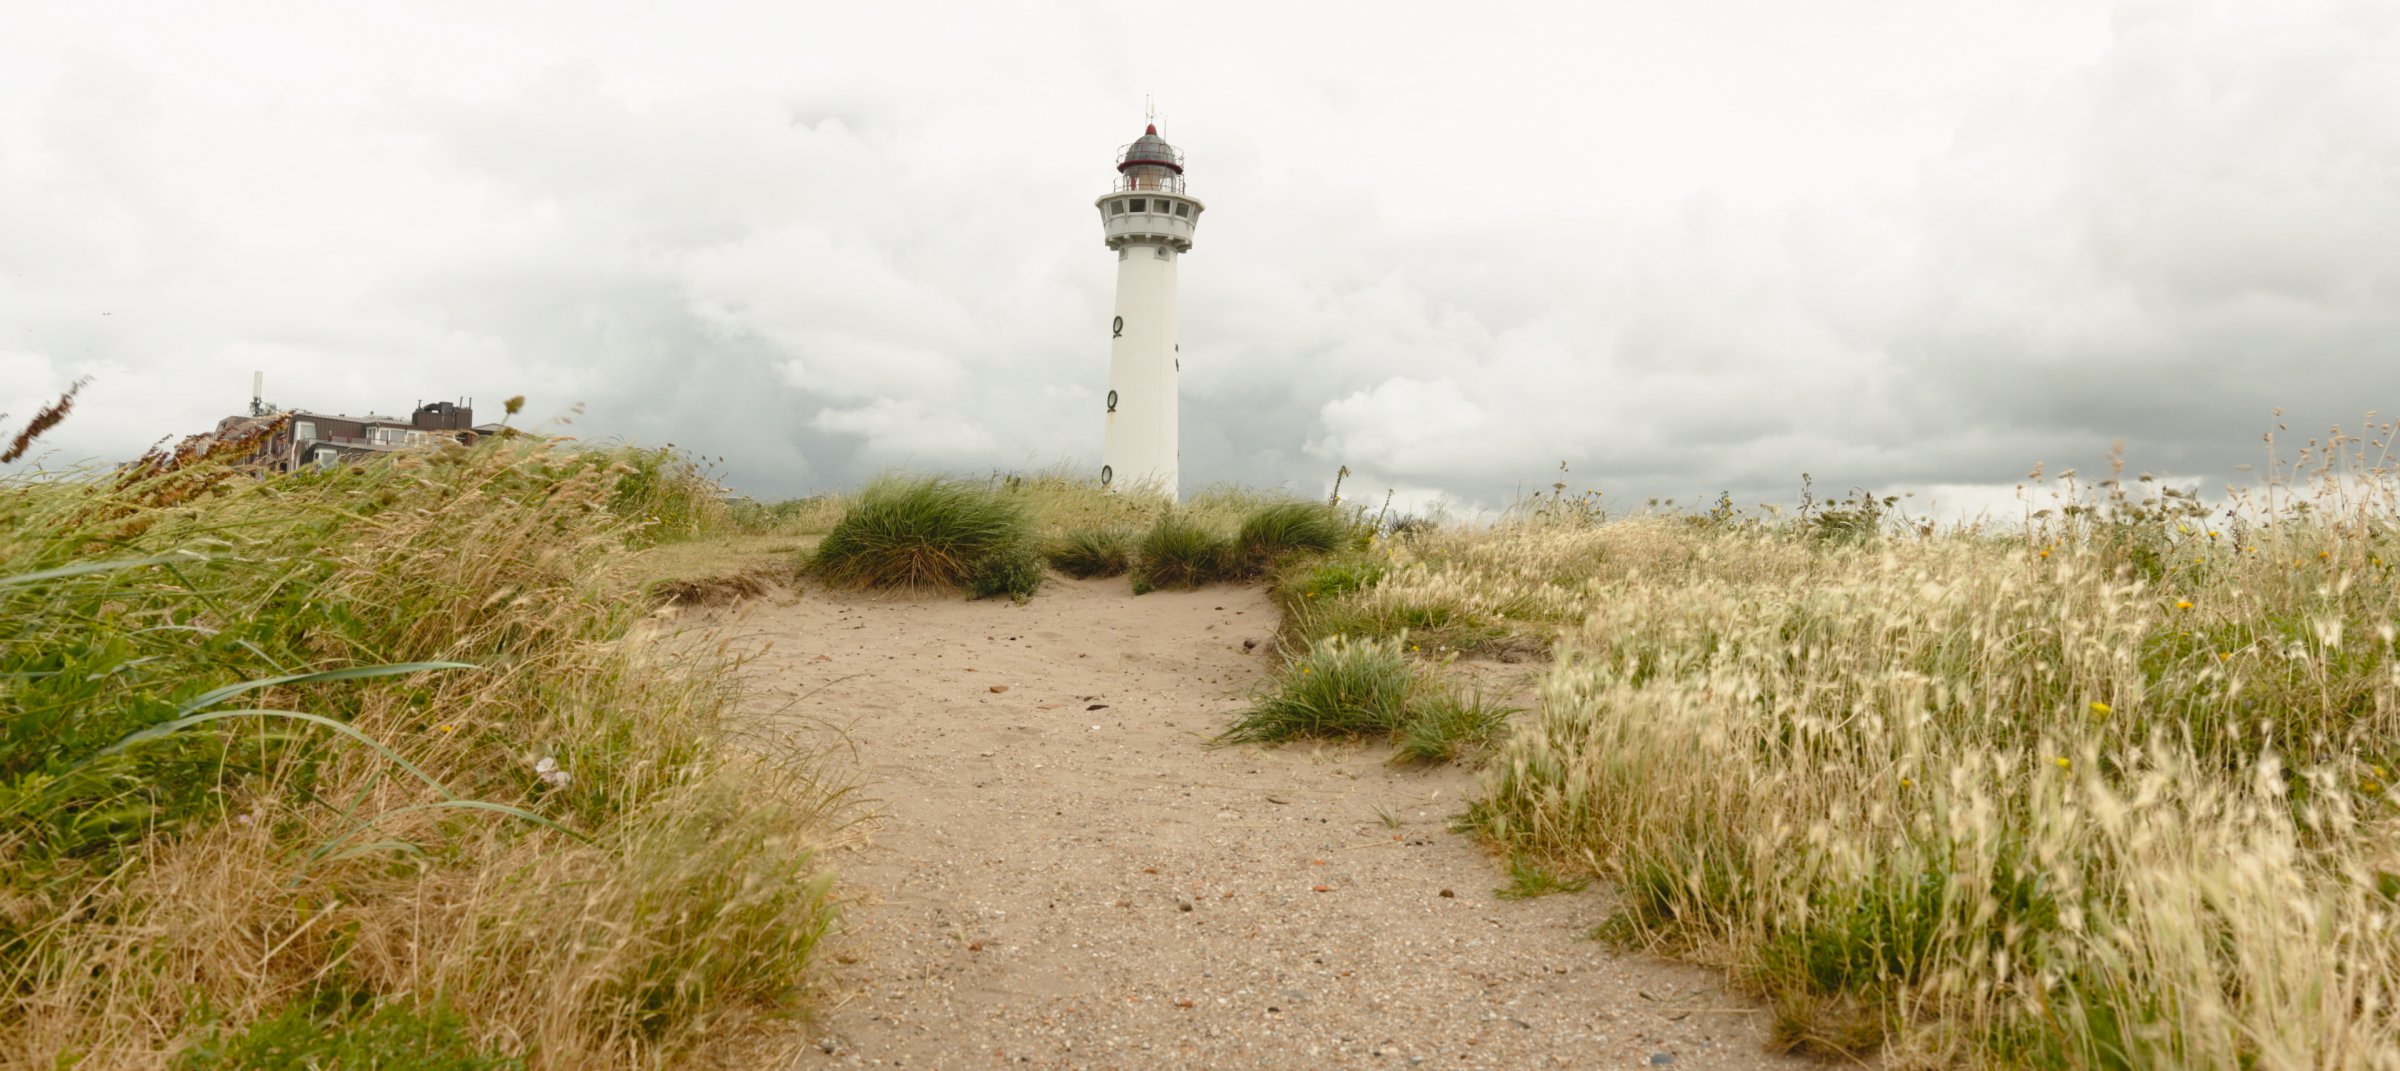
1090, 552
1287, 528
1175, 553
1528, 879
1446, 726
921, 533
1339, 688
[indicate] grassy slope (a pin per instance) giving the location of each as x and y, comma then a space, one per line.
2114, 793
616, 890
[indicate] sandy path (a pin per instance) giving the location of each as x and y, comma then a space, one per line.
1062, 875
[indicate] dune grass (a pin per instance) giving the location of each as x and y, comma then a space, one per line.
2112, 791
1350, 689
526, 835
919, 533
1092, 552
1283, 529
1177, 552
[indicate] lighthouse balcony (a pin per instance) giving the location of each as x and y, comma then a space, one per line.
1153, 182
1149, 218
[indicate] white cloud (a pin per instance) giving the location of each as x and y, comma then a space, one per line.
1683, 248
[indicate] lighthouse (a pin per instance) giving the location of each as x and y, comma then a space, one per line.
1148, 220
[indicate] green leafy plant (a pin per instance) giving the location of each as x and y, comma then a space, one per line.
346, 1032
1014, 571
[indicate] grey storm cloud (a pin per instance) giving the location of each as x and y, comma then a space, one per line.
1679, 249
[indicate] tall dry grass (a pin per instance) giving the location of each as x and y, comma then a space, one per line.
584, 871
2111, 791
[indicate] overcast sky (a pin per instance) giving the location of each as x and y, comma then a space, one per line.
1680, 247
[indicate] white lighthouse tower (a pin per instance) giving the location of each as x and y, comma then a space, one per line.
1148, 220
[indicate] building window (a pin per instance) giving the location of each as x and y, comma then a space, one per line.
304, 430
1140, 205
1182, 209
1116, 208
324, 456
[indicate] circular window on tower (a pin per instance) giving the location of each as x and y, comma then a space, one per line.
1107, 474
1112, 401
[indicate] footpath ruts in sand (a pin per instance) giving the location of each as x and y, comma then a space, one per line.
1062, 873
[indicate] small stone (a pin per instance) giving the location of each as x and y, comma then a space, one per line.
1661, 1059
1449, 895
1184, 906
997, 688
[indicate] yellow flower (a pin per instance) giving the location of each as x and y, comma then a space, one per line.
2324, 554
2100, 709
446, 727
2370, 787
2183, 604
2061, 762
1906, 783
2045, 552
2379, 771
2224, 656
2212, 535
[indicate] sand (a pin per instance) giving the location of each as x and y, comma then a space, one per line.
1062, 872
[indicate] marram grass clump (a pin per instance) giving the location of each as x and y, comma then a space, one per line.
1345, 688
1177, 553
1288, 528
922, 533
1092, 552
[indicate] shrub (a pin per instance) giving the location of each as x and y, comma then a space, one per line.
1339, 688
1015, 571
1289, 528
1176, 553
1090, 552
920, 533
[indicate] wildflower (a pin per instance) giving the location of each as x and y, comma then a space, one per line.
2100, 709
2380, 771
550, 772
2370, 787
2324, 554
446, 727
2224, 656
1906, 783
2212, 535
2061, 762
2183, 604
2045, 552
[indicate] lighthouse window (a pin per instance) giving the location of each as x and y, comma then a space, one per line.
1116, 208
1182, 209
1138, 204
